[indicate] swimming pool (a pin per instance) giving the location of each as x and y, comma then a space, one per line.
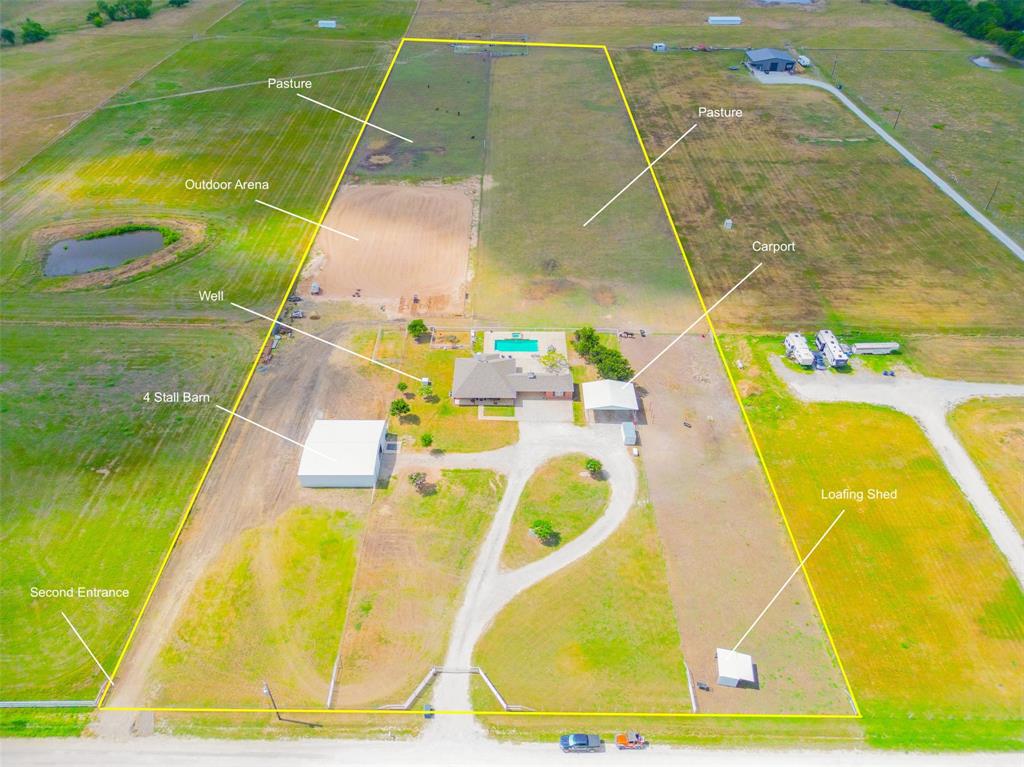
516, 345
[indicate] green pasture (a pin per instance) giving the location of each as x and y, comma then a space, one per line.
925, 612
94, 481
609, 640
560, 145
271, 607
439, 100
562, 493
373, 20
878, 248
137, 160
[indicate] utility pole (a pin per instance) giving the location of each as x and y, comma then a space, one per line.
897, 119
832, 76
992, 196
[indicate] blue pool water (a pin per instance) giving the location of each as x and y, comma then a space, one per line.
516, 345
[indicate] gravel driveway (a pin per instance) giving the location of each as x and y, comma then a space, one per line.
490, 588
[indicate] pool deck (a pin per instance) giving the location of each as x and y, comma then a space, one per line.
527, 361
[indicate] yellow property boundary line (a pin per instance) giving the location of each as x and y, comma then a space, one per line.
252, 370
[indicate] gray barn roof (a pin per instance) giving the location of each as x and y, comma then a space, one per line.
767, 54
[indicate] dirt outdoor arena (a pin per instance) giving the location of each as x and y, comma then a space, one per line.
414, 241
725, 543
252, 482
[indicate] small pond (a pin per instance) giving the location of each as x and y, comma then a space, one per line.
80, 256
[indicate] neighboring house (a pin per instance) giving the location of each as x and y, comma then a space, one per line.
770, 60
493, 379
343, 454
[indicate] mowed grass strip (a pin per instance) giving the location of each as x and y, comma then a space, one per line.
94, 481
926, 614
419, 548
609, 640
992, 431
270, 608
563, 493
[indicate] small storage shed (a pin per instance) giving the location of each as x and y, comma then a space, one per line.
343, 454
609, 395
659, 47
770, 60
735, 669
628, 433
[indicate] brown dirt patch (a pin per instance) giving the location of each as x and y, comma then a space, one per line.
192, 234
413, 250
604, 296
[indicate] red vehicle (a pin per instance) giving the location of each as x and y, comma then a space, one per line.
630, 741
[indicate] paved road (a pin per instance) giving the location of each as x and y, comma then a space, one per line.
490, 588
160, 751
928, 401
977, 215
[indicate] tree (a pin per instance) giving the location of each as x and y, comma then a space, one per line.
95, 18
594, 467
417, 328
402, 386
545, 532
399, 407
33, 31
553, 361
417, 478
426, 439
585, 340
426, 391
177, 3
7, 36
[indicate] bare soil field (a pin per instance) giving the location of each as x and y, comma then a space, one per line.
253, 481
413, 244
725, 542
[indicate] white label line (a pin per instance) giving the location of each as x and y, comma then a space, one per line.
307, 220
792, 575
692, 324
277, 434
353, 117
329, 343
94, 658
638, 175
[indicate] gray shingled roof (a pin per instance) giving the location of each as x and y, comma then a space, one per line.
490, 376
767, 54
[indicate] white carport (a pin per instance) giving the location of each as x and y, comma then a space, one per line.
343, 454
609, 395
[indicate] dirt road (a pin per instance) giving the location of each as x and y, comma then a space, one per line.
928, 401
